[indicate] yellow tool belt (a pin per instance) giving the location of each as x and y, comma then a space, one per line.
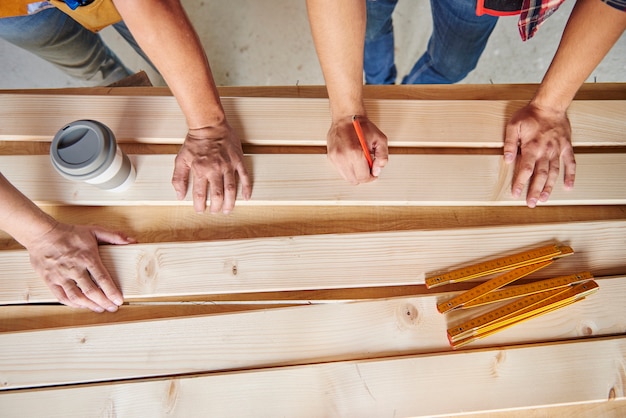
94, 16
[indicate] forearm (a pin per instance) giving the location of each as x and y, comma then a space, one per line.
164, 32
592, 29
338, 29
20, 217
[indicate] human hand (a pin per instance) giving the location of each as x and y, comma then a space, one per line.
543, 136
214, 157
346, 153
67, 259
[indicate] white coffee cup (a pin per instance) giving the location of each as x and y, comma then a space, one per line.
86, 150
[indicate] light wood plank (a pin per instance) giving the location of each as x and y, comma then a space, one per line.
289, 121
281, 336
518, 91
611, 408
472, 381
302, 179
34, 317
178, 223
324, 261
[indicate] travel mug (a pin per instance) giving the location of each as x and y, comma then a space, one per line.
86, 150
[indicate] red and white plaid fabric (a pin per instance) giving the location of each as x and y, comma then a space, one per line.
533, 14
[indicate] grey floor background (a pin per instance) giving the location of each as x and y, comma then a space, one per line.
251, 42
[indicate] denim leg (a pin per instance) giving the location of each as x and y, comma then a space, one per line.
58, 39
123, 30
459, 38
378, 57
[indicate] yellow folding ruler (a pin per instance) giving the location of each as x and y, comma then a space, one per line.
533, 299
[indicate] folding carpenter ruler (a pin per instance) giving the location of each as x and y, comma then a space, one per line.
533, 299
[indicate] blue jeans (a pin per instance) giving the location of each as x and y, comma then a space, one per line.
458, 39
58, 39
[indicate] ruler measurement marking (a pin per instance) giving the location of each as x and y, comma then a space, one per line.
490, 285
527, 289
526, 308
498, 265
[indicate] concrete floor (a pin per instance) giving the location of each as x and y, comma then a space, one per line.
249, 42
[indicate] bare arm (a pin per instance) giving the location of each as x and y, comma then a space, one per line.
65, 256
212, 151
541, 129
338, 29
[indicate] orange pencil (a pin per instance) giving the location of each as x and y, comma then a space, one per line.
359, 134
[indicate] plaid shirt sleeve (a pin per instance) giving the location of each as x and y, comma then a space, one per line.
618, 4
535, 12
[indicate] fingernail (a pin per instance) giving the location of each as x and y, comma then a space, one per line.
112, 309
99, 309
118, 302
376, 172
517, 192
544, 196
508, 157
532, 203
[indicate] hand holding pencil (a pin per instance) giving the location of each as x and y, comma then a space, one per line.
361, 136
357, 148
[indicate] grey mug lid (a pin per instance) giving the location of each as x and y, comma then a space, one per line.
83, 148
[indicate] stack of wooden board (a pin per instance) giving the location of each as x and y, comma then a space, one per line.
309, 299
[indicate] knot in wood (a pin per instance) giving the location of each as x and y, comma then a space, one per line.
408, 315
147, 268
230, 266
498, 363
587, 328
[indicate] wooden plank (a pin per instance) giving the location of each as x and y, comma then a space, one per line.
324, 261
513, 378
302, 179
178, 223
293, 335
518, 91
288, 121
611, 408
34, 317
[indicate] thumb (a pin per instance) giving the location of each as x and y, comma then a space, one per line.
112, 237
180, 178
381, 157
511, 140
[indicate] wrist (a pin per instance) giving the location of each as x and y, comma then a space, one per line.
41, 225
210, 127
347, 110
550, 101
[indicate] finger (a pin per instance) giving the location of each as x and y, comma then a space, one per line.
216, 193
525, 169
112, 237
553, 174
538, 182
180, 178
351, 176
381, 157
200, 185
569, 166
77, 296
105, 285
511, 141
94, 293
362, 168
230, 192
246, 182
352, 165
59, 293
